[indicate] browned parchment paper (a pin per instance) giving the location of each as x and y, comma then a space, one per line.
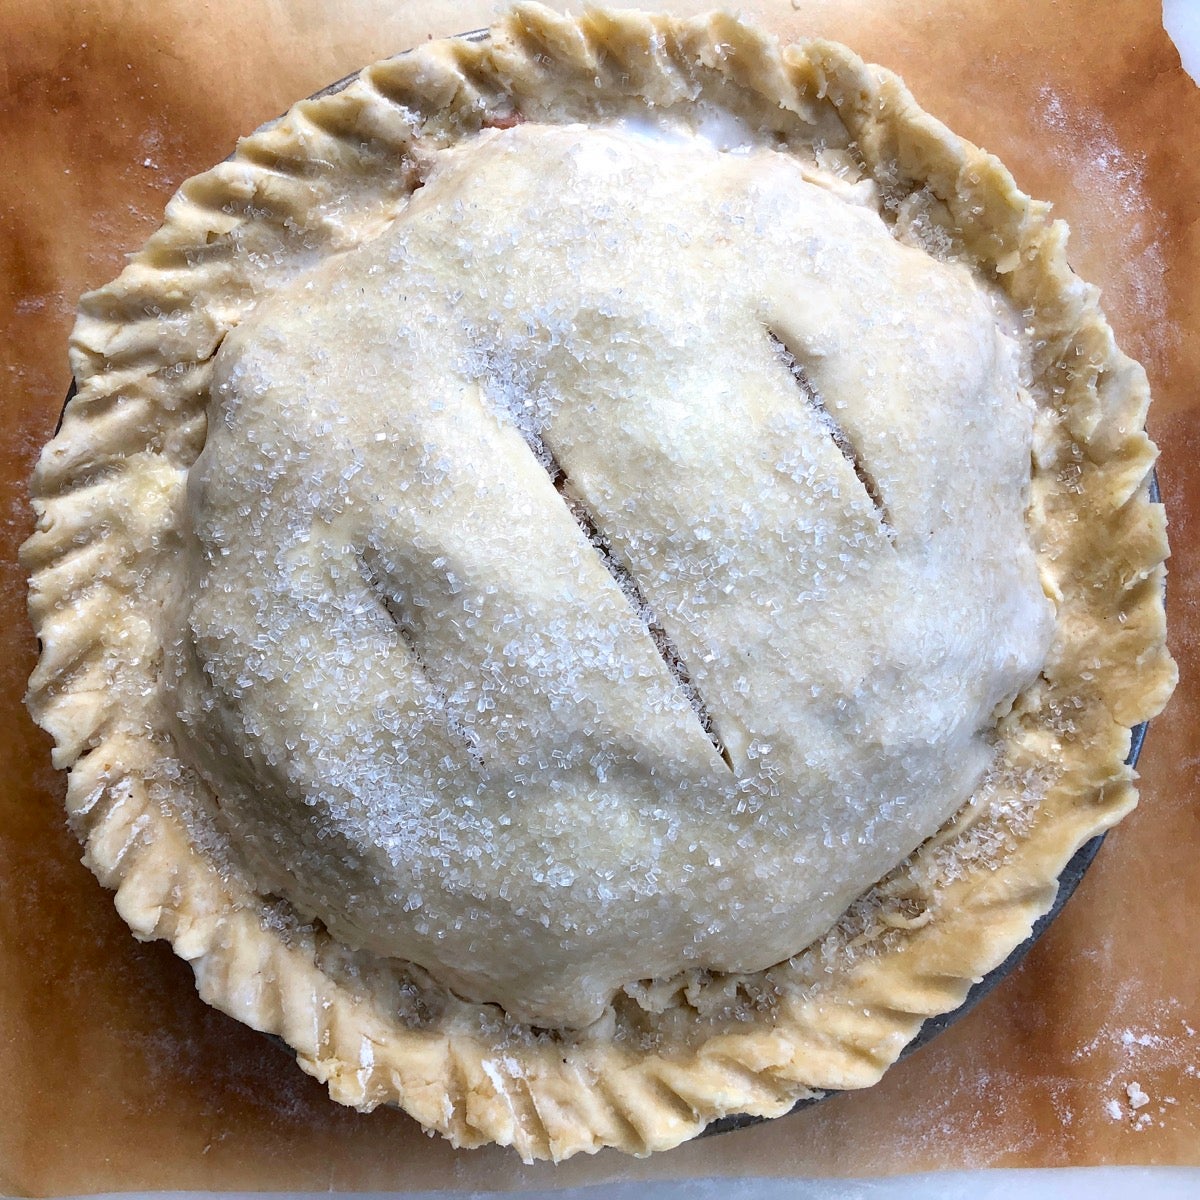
114, 1076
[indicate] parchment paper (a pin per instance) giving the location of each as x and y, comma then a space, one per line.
113, 1075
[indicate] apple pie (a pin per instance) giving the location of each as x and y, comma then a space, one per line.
595, 577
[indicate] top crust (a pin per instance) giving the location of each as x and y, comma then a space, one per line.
522, 539
670, 1054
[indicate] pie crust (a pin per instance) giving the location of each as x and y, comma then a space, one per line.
179, 766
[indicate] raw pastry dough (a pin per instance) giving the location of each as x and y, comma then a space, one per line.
460, 480
595, 577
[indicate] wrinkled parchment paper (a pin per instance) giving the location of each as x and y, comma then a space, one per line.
113, 1075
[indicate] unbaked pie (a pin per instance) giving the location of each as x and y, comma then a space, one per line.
595, 577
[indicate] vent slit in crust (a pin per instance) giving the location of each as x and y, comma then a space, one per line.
375, 575
666, 648
841, 439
